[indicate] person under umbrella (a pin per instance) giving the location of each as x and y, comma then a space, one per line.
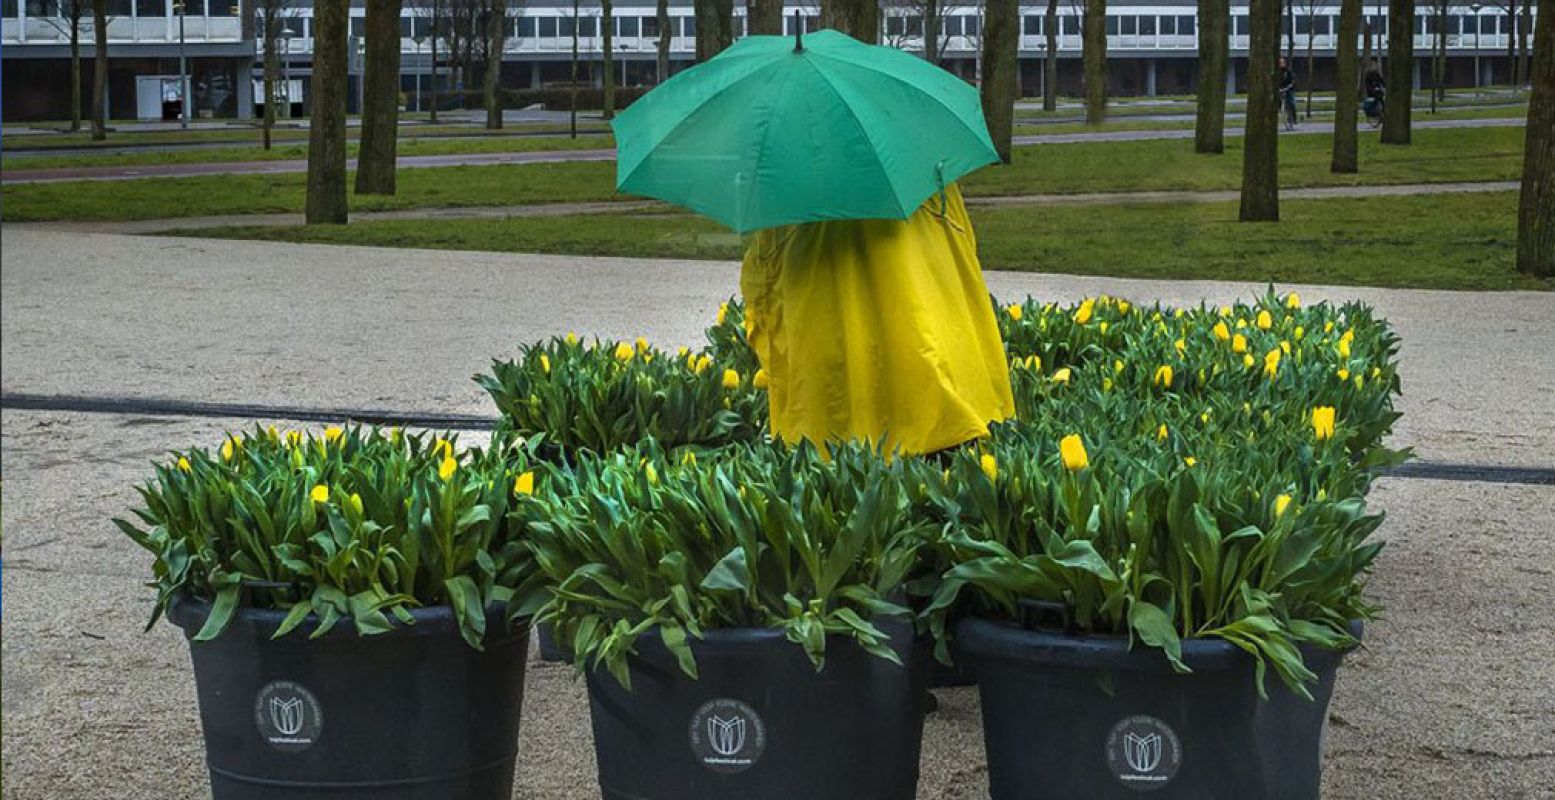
865, 300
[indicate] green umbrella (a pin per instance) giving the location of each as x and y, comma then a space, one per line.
775, 131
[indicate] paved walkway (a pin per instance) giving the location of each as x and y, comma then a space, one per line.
13, 176
1449, 698
151, 226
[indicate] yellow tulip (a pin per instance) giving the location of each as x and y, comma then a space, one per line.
642, 344
1285, 347
1117, 366
1102, 327
1271, 363
1225, 311
442, 447
1265, 320
1328, 327
1190, 461
183, 465
760, 380
689, 459
1323, 422
702, 364
1182, 346
651, 474
1083, 315
1123, 306
624, 352
1221, 331
1106, 384
731, 379
1072, 450
320, 494
990, 466
446, 469
572, 338
1015, 311
226, 449
1344, 348
1034, 363
723, 312
1300, 332
1160, 433
356, 502
1062, 376
1343, 374
524, 484
1247, 361
1359, 382
545, 363
293, 438
1163, 376
1280, 504
332, 433
1239, 344
1293, 300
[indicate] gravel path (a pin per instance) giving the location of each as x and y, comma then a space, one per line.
1450, 697
536, 157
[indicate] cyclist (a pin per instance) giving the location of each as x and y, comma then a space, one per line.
1376, 90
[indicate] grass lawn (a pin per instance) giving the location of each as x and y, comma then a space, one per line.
241, 134
1072, 123
408, 146
1378, 241
1440, 155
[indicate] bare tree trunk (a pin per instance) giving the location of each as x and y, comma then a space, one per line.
715, 27
1536, 207
1050, 58
1346, 89
326, 203
75, 70
496, 29
100, 70
931, 26
1001, 37
1290, 31
607, 21
572, 85
1365, 44
437, 11
375, 159
272, 32
857, 18
1439, 63
1522, 44
1311, 63
1260, 153
1095, 58
1396, 112
663, 13
1210, 125
765, 17
1511, 43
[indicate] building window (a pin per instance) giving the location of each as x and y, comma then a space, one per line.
1112, 26
223, 8
1168, 26
688, 27
1185, 25
626, 26
951, 25
8, 8
1072, 25
1241, 27
564, 27
1147, 26
894, 26
358, 26
526, 27
1032, 25
148, 9
547, 27
1323, 25
1130, 25
651, 27
974, 24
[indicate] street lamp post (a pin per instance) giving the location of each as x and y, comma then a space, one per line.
418, 40
183, 69
1475, 7
286, 68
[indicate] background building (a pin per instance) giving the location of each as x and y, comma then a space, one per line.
1152, 49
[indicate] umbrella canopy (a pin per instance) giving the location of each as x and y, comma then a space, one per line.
775, 131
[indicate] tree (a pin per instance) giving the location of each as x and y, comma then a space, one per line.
1346, 89
273, 15
1536, 206
1214, 40
1260, 153
380, 99
1309, 9
1401, 72
1001, 37
1050, 57
662, 14
495, 36
857, 18
607, 23
1439, 56
765, 17
100, 70
68, 23
1095, 56
715, 27
326, 202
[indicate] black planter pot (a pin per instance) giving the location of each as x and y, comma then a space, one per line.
413, 714
1068, 716
761, 723
550, 652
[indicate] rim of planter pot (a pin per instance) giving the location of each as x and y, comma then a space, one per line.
190, 612
978, 638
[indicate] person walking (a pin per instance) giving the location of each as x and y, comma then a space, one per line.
1288, 94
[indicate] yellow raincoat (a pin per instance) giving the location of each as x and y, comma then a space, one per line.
877, 329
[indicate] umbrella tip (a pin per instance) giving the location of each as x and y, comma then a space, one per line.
798, 32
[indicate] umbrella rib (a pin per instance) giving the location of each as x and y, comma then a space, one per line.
905, 212
914, 88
